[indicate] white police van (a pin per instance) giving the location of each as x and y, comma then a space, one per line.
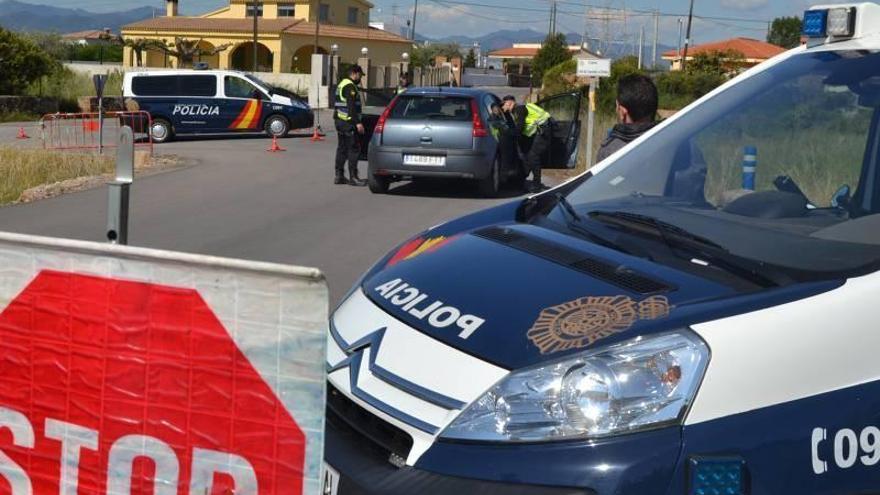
693, 316
213, 101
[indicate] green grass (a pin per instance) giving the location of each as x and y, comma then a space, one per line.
66, 84
819, 160
23, 169
18, 117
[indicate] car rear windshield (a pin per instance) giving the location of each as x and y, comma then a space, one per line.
419, 107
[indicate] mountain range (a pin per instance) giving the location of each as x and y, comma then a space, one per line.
20, 16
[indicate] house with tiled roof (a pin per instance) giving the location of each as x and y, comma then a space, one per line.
285, 32
518, 58
753, 51
89, 37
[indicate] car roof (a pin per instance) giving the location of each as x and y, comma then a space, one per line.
447, 91
183, 72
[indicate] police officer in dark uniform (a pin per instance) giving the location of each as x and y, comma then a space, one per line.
347, 117
535, 127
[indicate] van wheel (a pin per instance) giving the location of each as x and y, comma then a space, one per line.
161, 130
277, 126
378, 184
491, 185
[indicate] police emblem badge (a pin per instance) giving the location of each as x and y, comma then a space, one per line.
581, 322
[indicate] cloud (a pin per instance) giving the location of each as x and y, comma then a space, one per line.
744, 4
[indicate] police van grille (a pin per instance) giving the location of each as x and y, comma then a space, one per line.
614, 274
382, 435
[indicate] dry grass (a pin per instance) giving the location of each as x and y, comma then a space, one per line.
23, 169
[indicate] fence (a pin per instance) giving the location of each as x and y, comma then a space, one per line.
82, 131
387, 76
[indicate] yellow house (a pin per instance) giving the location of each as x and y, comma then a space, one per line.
285, 35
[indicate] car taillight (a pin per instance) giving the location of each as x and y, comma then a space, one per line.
380, 125
479, 128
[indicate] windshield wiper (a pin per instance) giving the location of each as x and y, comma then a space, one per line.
566, 205
664, 230
576, 224
702, 251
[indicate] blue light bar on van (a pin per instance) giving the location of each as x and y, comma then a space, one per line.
815, 23
717, 475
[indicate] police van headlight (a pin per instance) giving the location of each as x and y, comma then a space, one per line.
639, 384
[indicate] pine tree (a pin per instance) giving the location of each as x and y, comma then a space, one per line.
471, 59
552, 53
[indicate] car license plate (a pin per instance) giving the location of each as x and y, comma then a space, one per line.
330, 480
424, 160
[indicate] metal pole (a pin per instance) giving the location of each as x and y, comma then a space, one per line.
641, 45
687, 38
591, 119
656, 38
119, 189
415, 15
100, 124
678, 51
256, 6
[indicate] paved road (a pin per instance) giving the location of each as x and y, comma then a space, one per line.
238, 200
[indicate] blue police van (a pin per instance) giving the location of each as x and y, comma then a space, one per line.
693, 316
213, 101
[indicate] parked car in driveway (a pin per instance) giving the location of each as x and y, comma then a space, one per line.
453, 133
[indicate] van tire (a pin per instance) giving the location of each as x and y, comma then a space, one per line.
378, 184
277, 126
161, 130
491, 185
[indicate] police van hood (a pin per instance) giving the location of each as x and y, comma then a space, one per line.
516, 295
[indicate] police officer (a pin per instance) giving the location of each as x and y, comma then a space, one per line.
535, 127
347, 118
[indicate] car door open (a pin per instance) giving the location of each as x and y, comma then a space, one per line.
565, 109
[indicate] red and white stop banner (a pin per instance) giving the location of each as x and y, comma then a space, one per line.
123, 384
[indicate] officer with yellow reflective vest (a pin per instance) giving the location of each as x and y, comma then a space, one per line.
347, 117
534, 125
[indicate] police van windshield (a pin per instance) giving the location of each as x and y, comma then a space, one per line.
781, 168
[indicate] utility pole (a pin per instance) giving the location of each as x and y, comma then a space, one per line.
678, 51
656, 39
641, 45
687, 38
415, 14
256, 6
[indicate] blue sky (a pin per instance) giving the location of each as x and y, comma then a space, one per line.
444, 17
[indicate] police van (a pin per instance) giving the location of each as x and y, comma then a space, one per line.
213, 101
695, 315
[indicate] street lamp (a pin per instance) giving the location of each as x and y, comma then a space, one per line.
405, 56
334, 48
365, 51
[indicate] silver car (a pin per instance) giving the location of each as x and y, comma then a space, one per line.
454, 133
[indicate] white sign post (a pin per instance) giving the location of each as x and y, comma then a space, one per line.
593, 69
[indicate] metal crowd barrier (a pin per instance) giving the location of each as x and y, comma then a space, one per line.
81, 131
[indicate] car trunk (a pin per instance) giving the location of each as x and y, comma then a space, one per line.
430, 122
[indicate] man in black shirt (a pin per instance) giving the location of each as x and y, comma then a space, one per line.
347, 117
636, 112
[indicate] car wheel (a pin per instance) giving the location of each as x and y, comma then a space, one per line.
161, 130
378, 184
277, 126
491, 185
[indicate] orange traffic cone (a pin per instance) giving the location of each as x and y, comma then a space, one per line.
275, 148
22, 134
317, 135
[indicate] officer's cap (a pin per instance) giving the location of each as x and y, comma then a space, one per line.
509, 98
356, 69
